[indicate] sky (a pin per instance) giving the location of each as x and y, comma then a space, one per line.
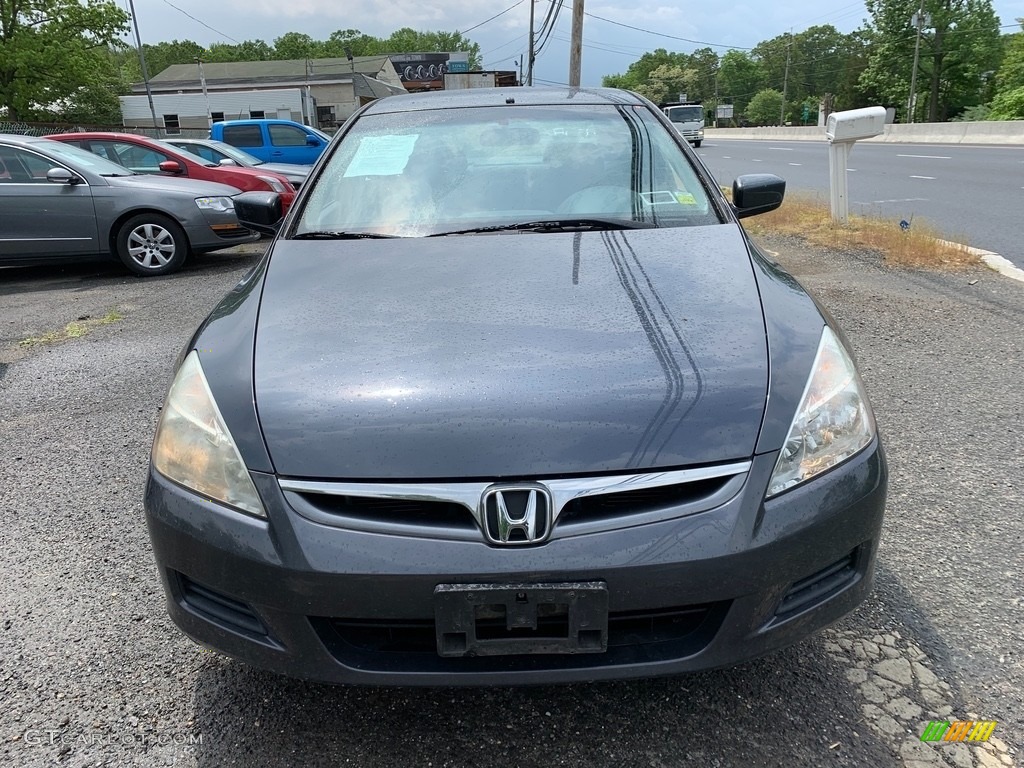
609, 48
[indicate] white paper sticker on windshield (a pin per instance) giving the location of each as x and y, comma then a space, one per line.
381, 155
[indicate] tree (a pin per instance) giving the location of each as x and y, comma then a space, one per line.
1011, 72
765, 107
639, 71
297, 45
1008, 105
52, 50
739, 78
666, 83
957, 48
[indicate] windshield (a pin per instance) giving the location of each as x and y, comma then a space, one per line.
243, 158
188, 155
686, 114
414, 174
83, 159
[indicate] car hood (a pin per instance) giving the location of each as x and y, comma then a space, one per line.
286, 169
163, 183
510, 355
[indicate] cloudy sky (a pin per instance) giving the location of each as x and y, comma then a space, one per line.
609, 48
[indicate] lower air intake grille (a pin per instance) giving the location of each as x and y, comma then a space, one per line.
411, 644
818, 587
219, 608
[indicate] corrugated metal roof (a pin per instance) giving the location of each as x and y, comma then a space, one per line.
241, 71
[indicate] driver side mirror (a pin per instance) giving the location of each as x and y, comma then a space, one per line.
755, 193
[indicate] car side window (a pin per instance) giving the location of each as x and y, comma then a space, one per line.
139, 159
20, 167
287, 136
204, 152
243, 135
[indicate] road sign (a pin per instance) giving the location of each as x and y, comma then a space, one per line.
724, 111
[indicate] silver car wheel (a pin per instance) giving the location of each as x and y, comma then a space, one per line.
151, 246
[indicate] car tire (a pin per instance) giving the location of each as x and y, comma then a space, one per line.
151, 244
696, 145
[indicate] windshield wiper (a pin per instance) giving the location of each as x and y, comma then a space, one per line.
556, 225
329, 235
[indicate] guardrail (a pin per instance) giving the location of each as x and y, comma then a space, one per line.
1002, 132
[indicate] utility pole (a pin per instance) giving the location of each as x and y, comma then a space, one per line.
529, 56
142, 64
785, 80
576, 44
206, 95
919, 19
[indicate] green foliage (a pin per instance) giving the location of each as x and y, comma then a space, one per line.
53, 54
666, 82
765, 107
1008, 105
739, 78
662, 76
1011, 72
972, 114
961, 44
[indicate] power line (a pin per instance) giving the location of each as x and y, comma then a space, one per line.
475, 26
200, 21
663, 34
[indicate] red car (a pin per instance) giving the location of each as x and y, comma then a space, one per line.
145, 155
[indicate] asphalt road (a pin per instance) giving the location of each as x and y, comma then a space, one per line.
971, 194
92, 672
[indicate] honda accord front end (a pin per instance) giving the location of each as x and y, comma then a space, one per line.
577, 429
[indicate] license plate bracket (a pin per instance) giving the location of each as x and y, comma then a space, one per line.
512, 619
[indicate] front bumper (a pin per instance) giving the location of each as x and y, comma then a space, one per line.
709, 590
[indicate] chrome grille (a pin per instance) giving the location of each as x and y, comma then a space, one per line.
453, 510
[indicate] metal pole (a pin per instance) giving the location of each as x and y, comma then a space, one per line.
142, 63
576, 44
785, 81
918, 20
838, 159
529, 56
206, 95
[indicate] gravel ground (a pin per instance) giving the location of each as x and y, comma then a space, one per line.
93, 673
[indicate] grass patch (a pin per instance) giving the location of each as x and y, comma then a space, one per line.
73, 330
811, 219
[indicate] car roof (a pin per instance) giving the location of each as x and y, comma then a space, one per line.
486, 97
102, 135
17, 138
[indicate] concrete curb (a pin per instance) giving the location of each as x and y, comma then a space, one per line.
994, 133
992, 260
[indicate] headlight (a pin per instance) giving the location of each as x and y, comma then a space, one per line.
221, 204
194, 448
275, 185
832, 423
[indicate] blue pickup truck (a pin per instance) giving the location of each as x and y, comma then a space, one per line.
273, 141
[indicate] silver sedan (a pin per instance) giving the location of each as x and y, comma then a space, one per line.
60, 203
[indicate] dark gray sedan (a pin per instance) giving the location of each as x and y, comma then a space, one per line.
513, 399
60, 203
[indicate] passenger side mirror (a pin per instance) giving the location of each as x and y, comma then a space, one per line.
259, 210
755, 193
228, 161
171, 166
312, 141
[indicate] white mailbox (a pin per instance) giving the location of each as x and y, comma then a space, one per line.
854, 124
